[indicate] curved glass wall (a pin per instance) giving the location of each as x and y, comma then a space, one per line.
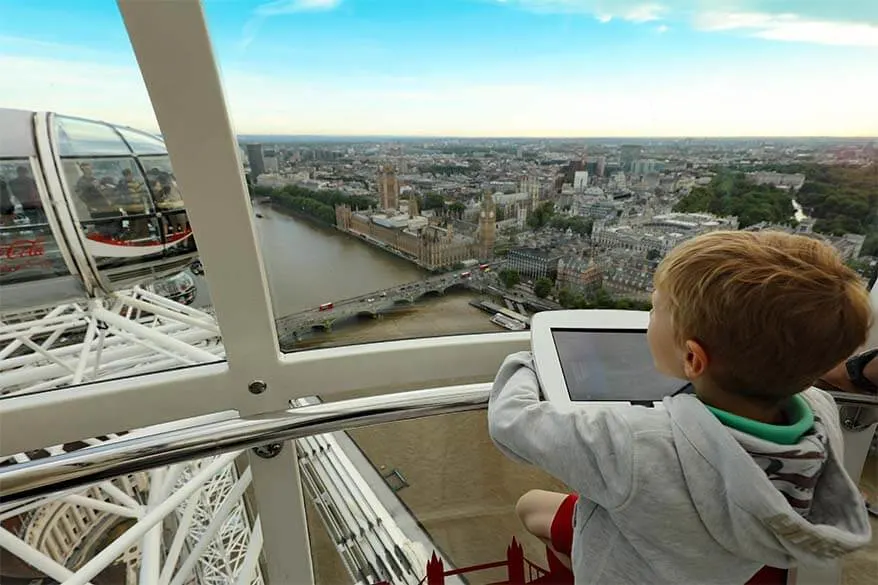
129, 207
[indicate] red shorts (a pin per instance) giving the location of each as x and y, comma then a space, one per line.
562, 525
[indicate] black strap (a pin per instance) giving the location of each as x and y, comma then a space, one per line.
687, 389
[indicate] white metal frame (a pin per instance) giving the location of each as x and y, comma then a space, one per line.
173, 50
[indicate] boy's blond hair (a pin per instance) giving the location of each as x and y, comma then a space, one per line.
774, 311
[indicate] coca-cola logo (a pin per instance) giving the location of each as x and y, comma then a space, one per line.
24, 253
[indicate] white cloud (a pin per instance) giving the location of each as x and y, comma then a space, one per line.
293, 6
662, 28
280, 7
705, 105
604, 10
791, 27
115, 93
644, 13
852, 24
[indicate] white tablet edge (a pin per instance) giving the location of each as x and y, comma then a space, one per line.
545, 352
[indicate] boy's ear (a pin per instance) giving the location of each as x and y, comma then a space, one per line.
696, 360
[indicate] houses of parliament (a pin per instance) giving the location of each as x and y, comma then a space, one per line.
431, 242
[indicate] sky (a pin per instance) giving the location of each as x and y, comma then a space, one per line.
574, 68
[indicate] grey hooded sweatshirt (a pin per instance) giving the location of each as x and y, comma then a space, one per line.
670, 495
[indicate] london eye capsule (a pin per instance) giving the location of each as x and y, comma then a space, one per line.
86, 208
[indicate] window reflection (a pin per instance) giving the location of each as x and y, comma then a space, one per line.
108, 187
141, 142
79, 137
163, 182
113, 204
28, 249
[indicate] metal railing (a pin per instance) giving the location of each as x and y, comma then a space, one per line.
47, 476
50, 475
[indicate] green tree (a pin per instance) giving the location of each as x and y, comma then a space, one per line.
653, 255
457, 209
578, 225
542, 287
541, 215
566, 298
732, 193
509, 277
433, 201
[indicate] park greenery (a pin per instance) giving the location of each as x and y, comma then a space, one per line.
542, 287
599, 299
732, 193
546, 215
317, 205
841, 199
574, 299
509, 277
433, 201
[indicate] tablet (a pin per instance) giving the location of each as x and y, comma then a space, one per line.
597, 356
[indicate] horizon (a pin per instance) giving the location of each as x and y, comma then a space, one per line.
555, 138
471, 69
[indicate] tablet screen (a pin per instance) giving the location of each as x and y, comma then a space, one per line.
610, 365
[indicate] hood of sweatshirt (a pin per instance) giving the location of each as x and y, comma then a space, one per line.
777, 504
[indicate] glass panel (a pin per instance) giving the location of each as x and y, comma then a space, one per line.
386, 498
81, 137
125, 247
203, 527
162, 182
28, 249
107, 187
405, 162
141, 142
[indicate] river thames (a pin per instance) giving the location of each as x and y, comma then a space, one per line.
461, 489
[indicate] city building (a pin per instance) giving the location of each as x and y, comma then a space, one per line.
256, 160
533, 262
626, 273
646, 166
792, 181
580, 181
270, 163
596, 207
487, 227
578, 275
531, 186
388, 188
849, 246
628, 154
659, 233
431, 246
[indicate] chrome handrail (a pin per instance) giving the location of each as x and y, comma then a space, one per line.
44, 477
50, 475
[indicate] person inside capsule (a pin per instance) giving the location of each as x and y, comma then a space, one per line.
97, 195
7, 207
743, 474
24, 188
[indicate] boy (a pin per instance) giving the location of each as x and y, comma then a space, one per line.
745, 472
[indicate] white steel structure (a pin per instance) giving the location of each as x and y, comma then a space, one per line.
173, 50
129, 333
